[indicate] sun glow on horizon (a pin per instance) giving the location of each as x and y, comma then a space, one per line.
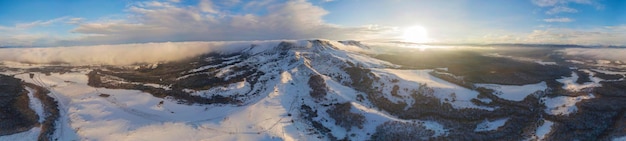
415, 34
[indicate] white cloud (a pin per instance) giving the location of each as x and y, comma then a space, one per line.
561, 9
22, 34
75, 21
561, 6
164, 21
123, 54
544, 3
548, 3
207, 6
560, 20
22, 26
608, 35
597, 53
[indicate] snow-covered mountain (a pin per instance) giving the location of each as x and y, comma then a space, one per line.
287, 90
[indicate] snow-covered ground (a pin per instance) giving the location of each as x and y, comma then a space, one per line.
623, 138
89, 113
133, 115
443, 89
490, 125
570, 82
515, 92
546, 63
35, 104
30, 135
563, 105
229, 90
543, 130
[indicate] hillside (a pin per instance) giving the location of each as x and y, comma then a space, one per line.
321, 90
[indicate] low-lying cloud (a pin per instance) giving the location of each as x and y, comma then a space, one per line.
123, 54
616, 54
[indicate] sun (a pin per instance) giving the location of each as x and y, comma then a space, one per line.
415, 34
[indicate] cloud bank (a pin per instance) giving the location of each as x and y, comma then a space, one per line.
124, 54
142, 53
607, 35
616, 54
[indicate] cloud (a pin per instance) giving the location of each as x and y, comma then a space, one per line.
25, 34
549, 3
207, 6
40, 23
597, 53
607, 35
122, 54
75, 21
561, 9
163, 21
561, 6
610, 35
34, 24
560, 20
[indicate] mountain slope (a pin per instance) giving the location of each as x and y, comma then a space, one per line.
305, 90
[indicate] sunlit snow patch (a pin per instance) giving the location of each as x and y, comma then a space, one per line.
490, 125
30, 135
570, 82
546, 63
514, 92
443, 89
563, 105
543, 130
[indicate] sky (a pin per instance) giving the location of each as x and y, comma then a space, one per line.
97, 22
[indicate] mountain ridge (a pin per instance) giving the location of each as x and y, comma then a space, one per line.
320, 90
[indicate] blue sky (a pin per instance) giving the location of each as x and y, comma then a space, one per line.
90, 22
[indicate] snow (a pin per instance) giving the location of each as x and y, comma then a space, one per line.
543, 130
622, 138
575, 61
132, 114
30, 135
351, 48
272, 115
490, 125
603, 62
608, 72
443, 89
35, 104
546, 63
375, 117
515, 92
570, 82
563, 105
157, 86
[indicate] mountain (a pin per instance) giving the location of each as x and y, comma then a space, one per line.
320, 90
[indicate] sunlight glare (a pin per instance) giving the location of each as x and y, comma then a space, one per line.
415, 34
